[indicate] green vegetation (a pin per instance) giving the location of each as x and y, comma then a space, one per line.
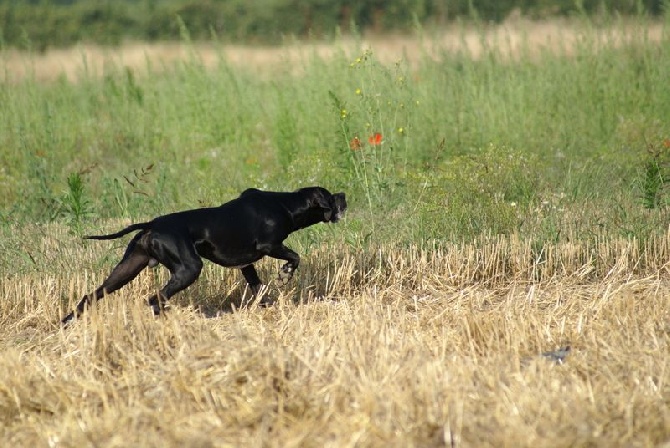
39, 25
550, 147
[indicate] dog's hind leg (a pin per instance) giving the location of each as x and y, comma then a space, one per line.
133, 262
184, 263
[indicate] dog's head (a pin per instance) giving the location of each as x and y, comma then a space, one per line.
329, 207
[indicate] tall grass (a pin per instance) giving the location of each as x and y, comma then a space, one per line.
511, 140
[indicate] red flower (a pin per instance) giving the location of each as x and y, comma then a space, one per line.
375, 139
355, 144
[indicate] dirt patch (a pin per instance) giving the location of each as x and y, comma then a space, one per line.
512, 39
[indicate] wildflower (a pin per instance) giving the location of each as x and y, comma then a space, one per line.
355, 144
358, 91
401, 130
343, 114
666, 143
375, 139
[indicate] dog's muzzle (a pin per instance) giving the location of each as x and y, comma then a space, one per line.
340, 206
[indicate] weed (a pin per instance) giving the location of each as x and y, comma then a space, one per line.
652, 184
128, 192
654, 175
75, 206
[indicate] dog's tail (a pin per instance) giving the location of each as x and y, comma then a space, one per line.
130, 228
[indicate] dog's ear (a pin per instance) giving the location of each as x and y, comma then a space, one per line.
319, 200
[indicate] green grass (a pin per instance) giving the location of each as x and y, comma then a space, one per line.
549, 145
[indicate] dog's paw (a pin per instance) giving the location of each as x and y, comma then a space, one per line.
67, 319
157, 305
286, 274
266, 302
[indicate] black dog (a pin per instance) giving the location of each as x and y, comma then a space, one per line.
235, 235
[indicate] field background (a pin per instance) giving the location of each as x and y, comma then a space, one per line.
515, 205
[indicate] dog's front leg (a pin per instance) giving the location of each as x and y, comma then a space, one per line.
251, 276
282, 252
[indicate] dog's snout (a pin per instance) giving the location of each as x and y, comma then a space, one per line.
340, 201
339, 204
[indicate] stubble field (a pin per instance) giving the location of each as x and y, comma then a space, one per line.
510, 214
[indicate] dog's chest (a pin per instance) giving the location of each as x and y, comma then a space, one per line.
228, 256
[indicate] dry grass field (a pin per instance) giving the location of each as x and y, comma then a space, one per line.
510, 39
402, 346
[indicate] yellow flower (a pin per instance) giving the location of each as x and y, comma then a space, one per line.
343, 113
358, 91
401, 130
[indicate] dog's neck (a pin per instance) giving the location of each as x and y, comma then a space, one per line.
303, 217
302, 221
